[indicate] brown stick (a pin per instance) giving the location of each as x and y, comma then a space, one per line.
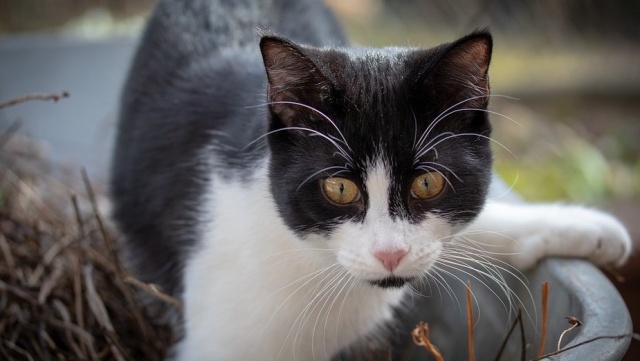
35, 96
523, 341
472, 355
617, 337
153, 290
545, 313
420, 336
506, 338
575, 323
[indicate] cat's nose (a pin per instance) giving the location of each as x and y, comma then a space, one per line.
390, 259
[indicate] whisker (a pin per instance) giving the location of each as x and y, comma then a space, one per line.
465, 268
432, 169
353, 285
326, 320
468, 134
325, 294
493, 274
344, 141
305, 310
445, 114
452, 275
342, 170
441, 166
428, 147
315, 274
511, 186
341, 150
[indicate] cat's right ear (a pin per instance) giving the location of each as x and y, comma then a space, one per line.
295, 84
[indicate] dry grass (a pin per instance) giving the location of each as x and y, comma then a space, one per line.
64, 294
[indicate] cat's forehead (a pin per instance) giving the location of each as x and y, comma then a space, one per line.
377, 55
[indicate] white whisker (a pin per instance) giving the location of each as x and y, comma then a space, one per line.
432, 169
342, 170
446, 113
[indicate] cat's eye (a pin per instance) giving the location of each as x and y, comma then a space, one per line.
341, 190
427, 185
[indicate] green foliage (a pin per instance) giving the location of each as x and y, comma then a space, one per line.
575, 171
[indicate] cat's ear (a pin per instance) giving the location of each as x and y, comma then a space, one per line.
461, 73
292, 78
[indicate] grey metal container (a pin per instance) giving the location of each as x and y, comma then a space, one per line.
577, 289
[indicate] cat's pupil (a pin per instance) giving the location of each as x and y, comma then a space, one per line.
341, 188
426, 183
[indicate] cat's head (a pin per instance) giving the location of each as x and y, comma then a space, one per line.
379, 154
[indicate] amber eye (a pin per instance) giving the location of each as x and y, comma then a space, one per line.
427, 185
341, 190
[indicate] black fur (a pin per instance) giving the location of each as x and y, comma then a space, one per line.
191, 97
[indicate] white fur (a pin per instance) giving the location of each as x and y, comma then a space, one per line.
523, 234
255, 291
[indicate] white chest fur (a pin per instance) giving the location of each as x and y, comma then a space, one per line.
253, 290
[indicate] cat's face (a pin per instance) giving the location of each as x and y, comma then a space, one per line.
380, 155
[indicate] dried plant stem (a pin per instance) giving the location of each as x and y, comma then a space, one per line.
517, 320
35, 96
545, 314
575, 323
523, 341
420, 336
153, 289
616, 337
472, 356
63, 292
111, 248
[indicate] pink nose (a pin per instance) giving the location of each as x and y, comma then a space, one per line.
390, 259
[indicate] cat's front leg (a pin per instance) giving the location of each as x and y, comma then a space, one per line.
523, 234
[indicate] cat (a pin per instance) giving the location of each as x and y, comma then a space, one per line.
290, 188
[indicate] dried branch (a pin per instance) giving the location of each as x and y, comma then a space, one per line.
575, 323
545, 314
153, 290
420, 336
518, 320
523, 341
62, 293
35, 96
616, 337
472, 355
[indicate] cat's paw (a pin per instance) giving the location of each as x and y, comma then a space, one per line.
571, 231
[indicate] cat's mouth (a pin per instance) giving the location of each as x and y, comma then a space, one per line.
391, 282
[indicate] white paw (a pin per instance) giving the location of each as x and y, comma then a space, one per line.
571, 231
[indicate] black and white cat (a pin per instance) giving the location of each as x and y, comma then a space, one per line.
289, 188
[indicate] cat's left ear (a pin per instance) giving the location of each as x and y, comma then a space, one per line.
293, 78
462, 70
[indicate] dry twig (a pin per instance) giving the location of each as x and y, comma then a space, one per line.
35, 96
615, 337
545, 313
63, 292
517, 321
575, 323
472, 355
420, 336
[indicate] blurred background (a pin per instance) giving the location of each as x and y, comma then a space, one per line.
570, 129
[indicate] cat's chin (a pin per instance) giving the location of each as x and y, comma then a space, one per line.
391, 282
